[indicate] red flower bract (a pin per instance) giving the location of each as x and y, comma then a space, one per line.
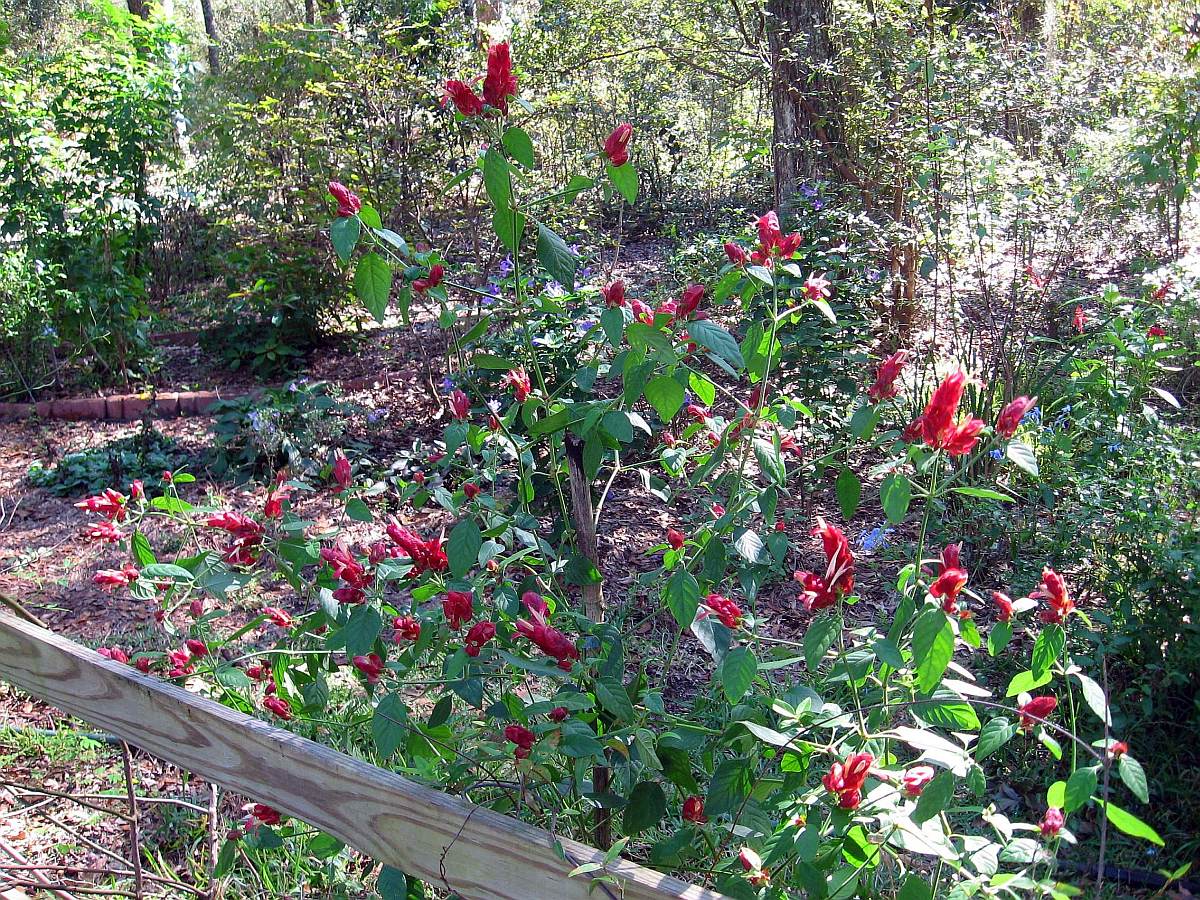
693, 810
847, 779
614, 293
518, 380
278, 706
1036, 708
724, 609
465, 100
522, 737
436, 273
341, 470
500, 83
1004, 606
407, 629
1010, 417
458, 607
109, 503
348, 202
549, 640
675, 538
937, 425
480, 634
884, 387
616, 147
736, 254
1053, 589
371, 667
460, 404
425, 555
915, 779
822, 591
1052, 822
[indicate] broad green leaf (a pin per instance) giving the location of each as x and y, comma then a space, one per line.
933, 646
509, 226
1134, 776
343, 234
1129, 823
1024, 681
616, 423
750, 547
357, 510
624, 179
995, 734
705, 390
665, 394
730, 786
1093, 696
612, 320
948, 711
613, 697
646, 807
492, 361
139, 545
361, 630
1023, 458
392, 884
682, 595
388, 725
982, 494
1079, 789
1047, 648
647, 337
999, 637
770, 461
715, 338
519, 146
849, 492
895, 493
462, 547
935, 798
822, 632
497, 180
556, 257
737, 673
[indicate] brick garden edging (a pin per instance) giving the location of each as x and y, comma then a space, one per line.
119, 408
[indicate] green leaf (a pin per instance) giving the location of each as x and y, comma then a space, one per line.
935, 798
948, 711
612, 320
933, 646
497, 180
343, 234
712, 336
357, 510
1093, 696
361, 630
556, 257
705, 390
999, 637
915, 888
509, 225
369, 216
729, 788
388, 726
646, 807
519, 146
392, 884
1024, 681
895, 493
1079, 789
1047, 648
647, 336
165, 571
849, 492
373, 284
1023, 458
462, 547
750, 547
139, 545
995, 734
1134, 776
614, 698
863, 422
624, 179
737, 673
682, 595
492, 362
770, 461
821, 634
1129, 823
576, 185
616, 423
983, 494
390, 237
665, 394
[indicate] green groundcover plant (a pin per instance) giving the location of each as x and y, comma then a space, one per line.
841, 760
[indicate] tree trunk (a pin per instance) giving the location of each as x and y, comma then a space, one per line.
805, 115
140, 8
210, 29
310, 12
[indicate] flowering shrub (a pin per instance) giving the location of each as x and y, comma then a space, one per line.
847, 759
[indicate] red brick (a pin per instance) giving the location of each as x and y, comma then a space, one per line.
166, 405
15, 410
134, 407
197, 403
79, 409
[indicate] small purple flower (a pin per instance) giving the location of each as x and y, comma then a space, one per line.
447, 384
818, 203
996, 454
874, 274
1034, 415
553, 289
574, 248
585, 325
875, 538
687, 398
506, 267
585, 273
808, 190
375, 415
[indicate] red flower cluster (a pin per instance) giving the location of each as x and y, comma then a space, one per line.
458, 607
1036, 708
548, 639
498, 85
915, 779
436, 273
693, 810
1156, 331
1004, 606
348, 202
278, 706
1053, 589
349, 570
1052, 822
616, 148
341, 470
724, 609
245, 534
111, 578
522, 737
106, 531
1010, 417
951, 579
752, 863
823, 591
559, 714
426, 556
675, 539
179, 663
280, 617
460, 405
614, 294
772, 242
736, 254
480, 634
847, 779
939, 427
518, 380
816, 287
885, 387
407, 629
116, 654
1079, 320
109, 503
371, 666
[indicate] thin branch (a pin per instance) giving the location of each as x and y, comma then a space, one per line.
135, 840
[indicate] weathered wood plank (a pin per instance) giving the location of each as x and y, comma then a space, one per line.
441, 839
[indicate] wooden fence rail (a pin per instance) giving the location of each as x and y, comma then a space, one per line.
471, 850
